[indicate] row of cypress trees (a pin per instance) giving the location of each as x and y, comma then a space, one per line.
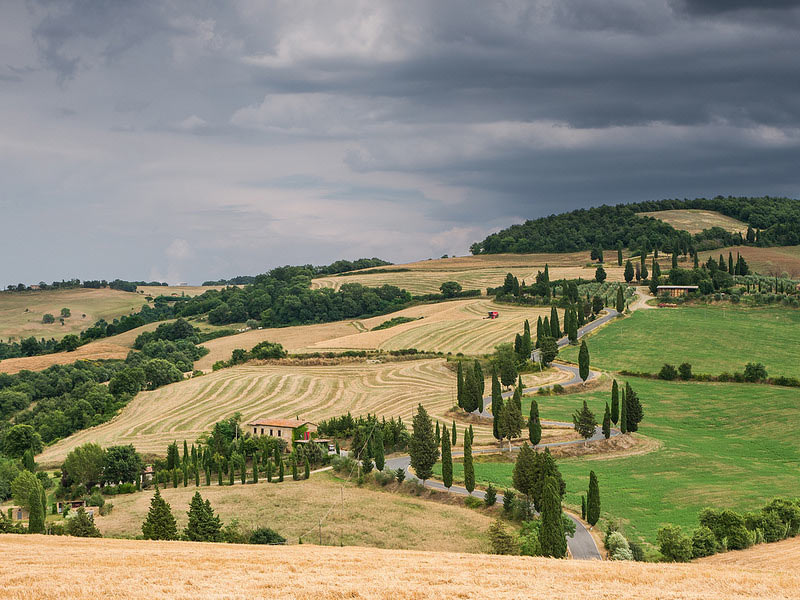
470, 387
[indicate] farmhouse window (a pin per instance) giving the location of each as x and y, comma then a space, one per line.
279, 433
262, 431
270, 432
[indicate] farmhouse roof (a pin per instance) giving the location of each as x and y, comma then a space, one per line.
292, 423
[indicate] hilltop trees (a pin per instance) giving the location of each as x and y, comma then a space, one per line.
423, 448
160, 522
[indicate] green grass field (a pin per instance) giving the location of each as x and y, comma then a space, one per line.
713, 339
733, 445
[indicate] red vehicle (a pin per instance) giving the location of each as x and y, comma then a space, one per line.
493, 314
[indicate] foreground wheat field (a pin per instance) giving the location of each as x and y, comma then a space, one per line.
39, 567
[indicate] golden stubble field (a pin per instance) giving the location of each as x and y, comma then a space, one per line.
696, 220
477, 272
323, 505
39, 567
16, 322
457, 326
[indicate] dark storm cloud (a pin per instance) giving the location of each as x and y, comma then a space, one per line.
259, 133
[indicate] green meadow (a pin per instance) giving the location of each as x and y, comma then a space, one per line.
713, 339
732, 445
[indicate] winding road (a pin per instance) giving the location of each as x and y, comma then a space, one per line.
582, 545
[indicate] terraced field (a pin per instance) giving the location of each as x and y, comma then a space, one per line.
186, 409
476, 272
695, 220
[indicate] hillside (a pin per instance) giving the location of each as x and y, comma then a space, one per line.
182, 570
352, 515
21, 312
695, 220
767, 261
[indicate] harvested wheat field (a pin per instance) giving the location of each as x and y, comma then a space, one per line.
323, 505
696, 220
100, 350
767, 261
186, 409
21, 312
474, 272
781, 556
177, 290
39, 567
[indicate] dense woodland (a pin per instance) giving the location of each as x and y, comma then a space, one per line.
774, 222
340, 266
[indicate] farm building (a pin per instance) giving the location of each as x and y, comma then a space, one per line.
71, 504
674, 291
18, 513
285, 429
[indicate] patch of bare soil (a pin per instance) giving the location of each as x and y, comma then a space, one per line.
615, 447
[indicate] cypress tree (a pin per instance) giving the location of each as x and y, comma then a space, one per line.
255, 468
619, 254
633, 409
378, 449
295, 476
438, 434
231, 471
280, 469
469, 468
593, 500
539, 331
175, 477
583, 361
722, 266
545, 328
480, 386
453, 434
696, 260
583, 507
623, 414
269, 471
628, 271
620, 304
160, 522
471, 433
470, 392
196, 476
614, 402
27, 461
534, 424
674, 259
460, 384
730, 263
185, 468
307, 472
555, 330
423, 448
551, 531
35, 509
185, 453
572, 328
607, 423
527, 341
447, 459
497, 404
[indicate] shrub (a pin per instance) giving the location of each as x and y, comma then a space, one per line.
769, 524
400, 475
82, 525
637, 551
754, 372
490, 498
473, 502
558, 388
384, 478
668, 372
728, 527
343, 464
508, 501
96, 499
685, 371
502, 542
703, 542
265, 535
618, 547
106, 509
673, 544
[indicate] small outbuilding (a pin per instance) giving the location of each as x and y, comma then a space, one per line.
673, 291
284, 429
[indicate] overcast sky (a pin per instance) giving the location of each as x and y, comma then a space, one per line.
190, 140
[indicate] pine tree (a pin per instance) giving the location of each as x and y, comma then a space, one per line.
469, 468
307, 469
584, 421
628, 271
460, 384
203, 524
551, 532
423, 448
447, 459
593, 500
555, 330
534, 424
378, 449
623, 416
620, 304
497, 404
509, 422
607, 423
525, 472
615, 402
160, 522
453, 433
583, 361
